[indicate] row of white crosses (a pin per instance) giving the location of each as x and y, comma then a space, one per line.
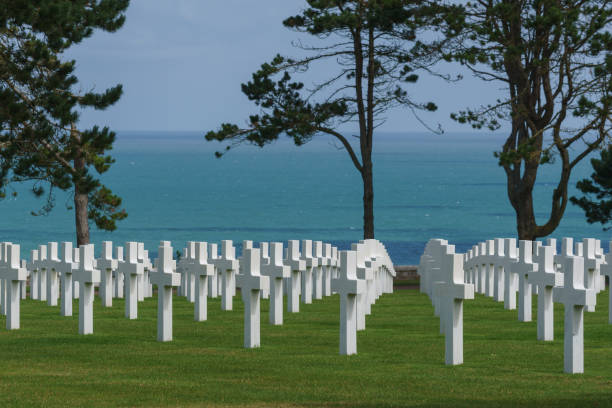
442, 279
203, 272
498, 270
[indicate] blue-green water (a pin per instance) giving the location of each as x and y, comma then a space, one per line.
426, 186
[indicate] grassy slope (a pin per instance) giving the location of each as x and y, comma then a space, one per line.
400, 360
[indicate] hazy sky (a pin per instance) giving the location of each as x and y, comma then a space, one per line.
181, 63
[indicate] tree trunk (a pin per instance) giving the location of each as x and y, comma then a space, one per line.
368, 200
80, 205
525, 218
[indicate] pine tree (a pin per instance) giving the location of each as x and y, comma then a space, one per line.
378, 49
597, 201
39, 107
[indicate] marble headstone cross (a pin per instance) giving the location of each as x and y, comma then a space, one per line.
498, 289
213, 281
227, 266
276, 271
251, 283
523, 267
363, 273
327, 270
106, 265
348, 287
545, 278
575, 297
119, 278
297, 267
202, 271
41, 265
87, 276
265, 260
66, 267
311, 264
318, 271
75, 284
131, 269
455, 291
34, 274
606, 270
141, 283
52, 274
165, 279
12, 274
510, 275
591, 267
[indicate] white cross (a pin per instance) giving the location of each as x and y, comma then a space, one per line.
202, 271
66, 268
119, 278
455, 291
214, 280
87, 277
107, 265
349, 287
510, 275
148, 291
165, 279
246, 244
297, 267
327, 270
335, 264
24, 265
601, 283
41, 265
374, 262
131, 269
364, 273
183, 269
265, 259
489, 259
311, 263
481, 268
140, 282
575, 297
444, 275
606, 270
227, 266
499, 272
251, 283
75, 284
545, 278
52, 263
12, 274
190, 278
276, 271
591, 267
318, 270
34, 274
523, 267
4, 246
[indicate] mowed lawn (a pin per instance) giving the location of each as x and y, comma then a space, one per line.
400, 360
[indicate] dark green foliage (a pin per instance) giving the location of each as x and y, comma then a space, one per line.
377, 49
388, 62
39, 104
553, 58
597, 202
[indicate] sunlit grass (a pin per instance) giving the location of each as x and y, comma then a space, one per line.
400, 359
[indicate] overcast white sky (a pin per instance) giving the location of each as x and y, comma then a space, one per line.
181, 63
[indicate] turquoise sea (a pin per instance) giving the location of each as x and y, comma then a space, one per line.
426, 186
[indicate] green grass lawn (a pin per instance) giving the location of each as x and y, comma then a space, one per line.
400, 360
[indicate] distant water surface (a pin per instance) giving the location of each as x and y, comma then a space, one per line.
426, 186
